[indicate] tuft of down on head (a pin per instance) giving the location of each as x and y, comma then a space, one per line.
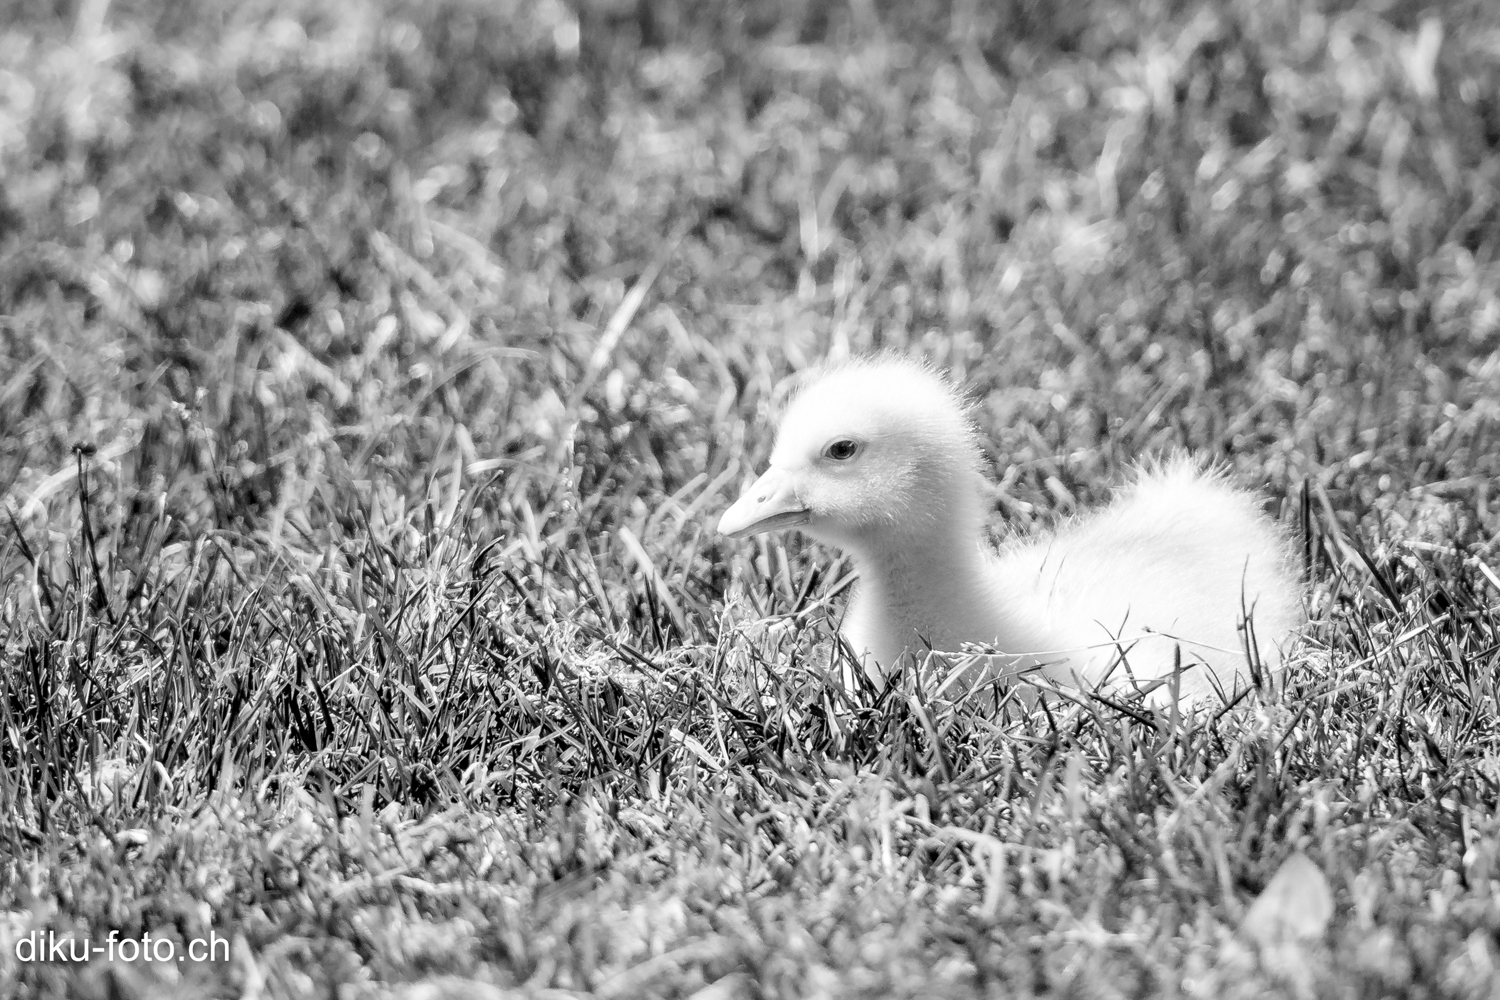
869, 453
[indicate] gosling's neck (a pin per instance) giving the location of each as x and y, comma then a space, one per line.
927, 533
952, 552
923, 580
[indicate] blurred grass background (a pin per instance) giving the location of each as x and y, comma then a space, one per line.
371, 379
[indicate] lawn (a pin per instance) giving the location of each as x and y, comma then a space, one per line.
372, 378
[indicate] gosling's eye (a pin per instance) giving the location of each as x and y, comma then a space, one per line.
842, 450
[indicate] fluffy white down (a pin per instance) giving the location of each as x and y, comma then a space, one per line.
1173, 563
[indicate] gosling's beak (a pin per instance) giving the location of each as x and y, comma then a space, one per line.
771, 503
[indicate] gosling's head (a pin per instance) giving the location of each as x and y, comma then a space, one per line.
875, 452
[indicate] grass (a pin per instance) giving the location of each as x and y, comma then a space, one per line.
370, 386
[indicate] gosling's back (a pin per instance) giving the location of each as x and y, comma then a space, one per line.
1180, 559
